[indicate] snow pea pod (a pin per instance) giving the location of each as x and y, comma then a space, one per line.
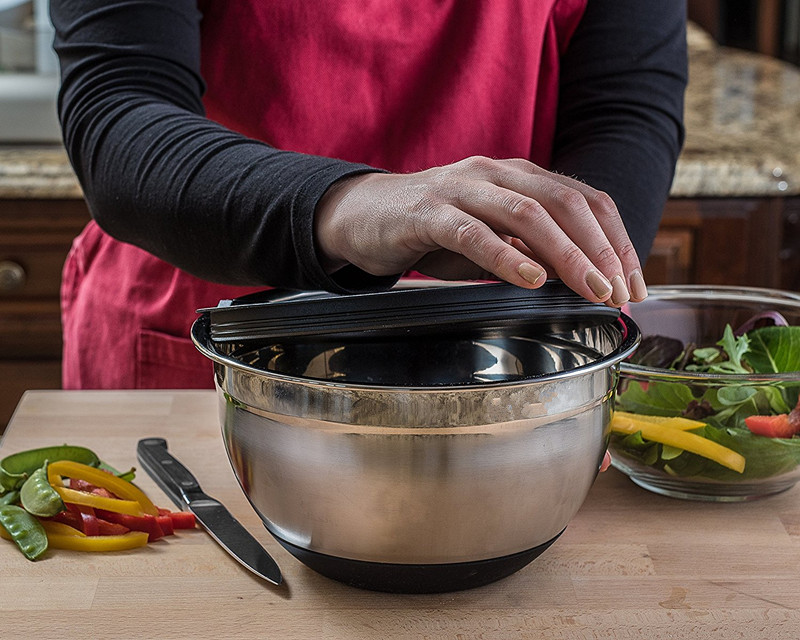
38, 496
17, 467
24, 529
9, 498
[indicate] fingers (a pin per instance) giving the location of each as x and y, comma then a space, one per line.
568, 234
467, 235
564, 222
605, 210
544, 229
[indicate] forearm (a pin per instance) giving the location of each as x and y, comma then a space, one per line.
620, 125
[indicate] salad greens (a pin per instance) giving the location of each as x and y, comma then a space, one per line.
722, 407
775, 349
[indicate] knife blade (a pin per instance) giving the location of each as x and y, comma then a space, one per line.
184, 490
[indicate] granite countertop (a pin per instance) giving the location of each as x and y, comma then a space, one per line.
742, 115
28, 171
742, 133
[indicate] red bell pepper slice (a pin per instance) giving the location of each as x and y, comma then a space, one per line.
165, 522
771, 426
146, 523
783, 425
70, 518
88, 519
75, 519
107, 528
180, 519
88, 487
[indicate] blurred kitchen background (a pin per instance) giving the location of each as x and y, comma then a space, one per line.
733, 217
28, 73
771, 27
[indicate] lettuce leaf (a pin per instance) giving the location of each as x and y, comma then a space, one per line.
658, 399
774, 349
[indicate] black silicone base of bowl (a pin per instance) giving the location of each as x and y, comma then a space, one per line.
415, 578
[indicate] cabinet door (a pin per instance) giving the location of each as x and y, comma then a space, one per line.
719, 241
35, 236
670, 260
790, 247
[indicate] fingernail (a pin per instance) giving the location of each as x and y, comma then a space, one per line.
531, 273
598, 284
638, 287
620, 293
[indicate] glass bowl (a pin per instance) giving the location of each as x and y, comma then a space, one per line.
720, 458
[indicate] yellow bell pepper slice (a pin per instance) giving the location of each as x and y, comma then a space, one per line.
128, 507
680, 439
61, 528
62, 536
123, 489
682, 424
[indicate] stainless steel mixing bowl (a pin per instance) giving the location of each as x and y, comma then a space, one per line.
423, 463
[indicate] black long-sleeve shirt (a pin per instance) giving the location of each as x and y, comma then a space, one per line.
158, 174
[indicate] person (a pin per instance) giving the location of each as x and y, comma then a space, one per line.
229, 147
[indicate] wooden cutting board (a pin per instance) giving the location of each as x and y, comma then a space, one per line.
631, 564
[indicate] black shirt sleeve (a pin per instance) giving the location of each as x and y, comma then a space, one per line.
158, 174
620, 118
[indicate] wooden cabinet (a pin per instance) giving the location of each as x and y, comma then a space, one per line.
790, 246
35, 236
737, 241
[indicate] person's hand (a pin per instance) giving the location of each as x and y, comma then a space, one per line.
481, 219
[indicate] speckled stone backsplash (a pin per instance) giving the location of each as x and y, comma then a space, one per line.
742, 124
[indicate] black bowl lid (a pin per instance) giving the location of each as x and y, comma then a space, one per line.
283, 314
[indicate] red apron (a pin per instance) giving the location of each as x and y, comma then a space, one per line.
382, 82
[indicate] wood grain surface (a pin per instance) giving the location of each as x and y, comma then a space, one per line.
631, 564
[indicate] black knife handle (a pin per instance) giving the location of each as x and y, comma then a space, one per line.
173, 478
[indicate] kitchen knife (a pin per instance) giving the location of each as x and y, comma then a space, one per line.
184, 490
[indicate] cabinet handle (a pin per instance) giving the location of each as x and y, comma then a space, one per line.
12, 275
